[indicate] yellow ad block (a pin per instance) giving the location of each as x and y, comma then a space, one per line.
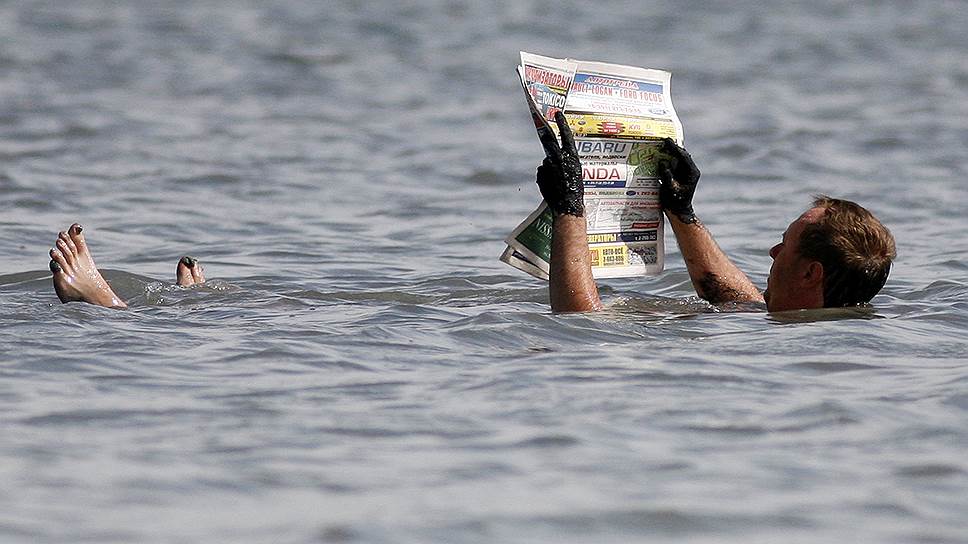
608, 256
620, 127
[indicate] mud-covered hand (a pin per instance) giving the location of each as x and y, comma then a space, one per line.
560, 176
679, 176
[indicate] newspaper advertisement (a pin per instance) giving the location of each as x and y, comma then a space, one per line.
619, 115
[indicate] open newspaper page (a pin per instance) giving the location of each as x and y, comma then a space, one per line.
619, 114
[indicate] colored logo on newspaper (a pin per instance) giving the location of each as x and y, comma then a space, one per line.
610, 127
533, 74
586, 80
544, 96
603, 176
598, 147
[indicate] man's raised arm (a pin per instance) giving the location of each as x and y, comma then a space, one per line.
572, 287
713, 274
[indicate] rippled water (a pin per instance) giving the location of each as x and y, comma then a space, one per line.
363, 369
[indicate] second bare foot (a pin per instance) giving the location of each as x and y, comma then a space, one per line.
189, 272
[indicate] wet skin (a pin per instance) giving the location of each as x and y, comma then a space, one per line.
794, 282
77, 278
189, 272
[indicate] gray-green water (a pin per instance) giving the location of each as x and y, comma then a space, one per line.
365, 370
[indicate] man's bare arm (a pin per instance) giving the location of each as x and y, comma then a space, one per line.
572, 287
714, 276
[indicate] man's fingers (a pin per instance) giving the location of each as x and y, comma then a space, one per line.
543, 169
567, 138
686, 157
670, 147
664, 171
550, 143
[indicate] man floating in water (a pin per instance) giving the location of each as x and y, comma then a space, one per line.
835, 254
76, 277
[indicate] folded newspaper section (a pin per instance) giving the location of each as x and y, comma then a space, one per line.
618, 114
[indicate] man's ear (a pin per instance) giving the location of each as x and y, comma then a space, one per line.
813, 274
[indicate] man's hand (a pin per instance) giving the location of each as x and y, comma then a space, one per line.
679, 177
560, 176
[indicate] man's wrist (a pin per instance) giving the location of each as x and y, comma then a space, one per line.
574, 209
686, 216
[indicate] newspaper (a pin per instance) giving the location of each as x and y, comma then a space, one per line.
619, 115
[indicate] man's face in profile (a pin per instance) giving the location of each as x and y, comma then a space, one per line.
785, 285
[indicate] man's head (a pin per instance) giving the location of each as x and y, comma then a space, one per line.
836, 254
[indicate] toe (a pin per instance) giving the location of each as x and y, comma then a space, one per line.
183, 272
189, 272
75, 234
57, 258
66, 253
68, 242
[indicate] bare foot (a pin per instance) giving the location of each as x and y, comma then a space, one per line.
76, 277
189, 272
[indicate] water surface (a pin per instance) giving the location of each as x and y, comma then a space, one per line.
363, 369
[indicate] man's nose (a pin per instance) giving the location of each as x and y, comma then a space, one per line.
775, 250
